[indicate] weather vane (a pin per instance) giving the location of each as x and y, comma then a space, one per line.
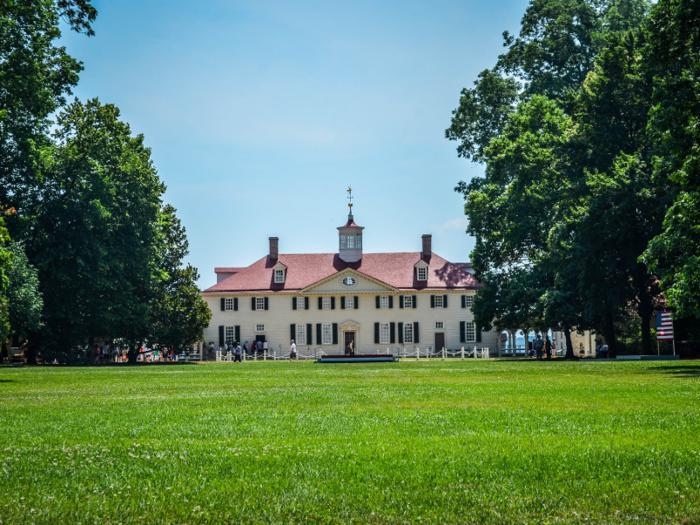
350, 197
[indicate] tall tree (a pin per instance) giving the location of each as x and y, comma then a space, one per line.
5, 261
24, 297
674, 55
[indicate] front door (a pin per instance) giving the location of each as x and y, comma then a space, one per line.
439, 341
349, 338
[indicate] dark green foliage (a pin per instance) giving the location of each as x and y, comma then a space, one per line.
5, 262
25, 300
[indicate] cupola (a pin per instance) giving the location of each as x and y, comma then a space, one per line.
350, 237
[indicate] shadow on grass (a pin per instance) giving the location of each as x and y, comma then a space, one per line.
678, 370
7, 380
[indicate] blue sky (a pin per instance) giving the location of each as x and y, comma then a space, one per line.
260, 114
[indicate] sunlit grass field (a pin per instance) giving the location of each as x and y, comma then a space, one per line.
411, 442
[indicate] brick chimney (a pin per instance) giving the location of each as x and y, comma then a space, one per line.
427, 245
274, 248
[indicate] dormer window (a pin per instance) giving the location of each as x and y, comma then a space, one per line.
358, 241
422, 274
351, 241
279, 276
343, 242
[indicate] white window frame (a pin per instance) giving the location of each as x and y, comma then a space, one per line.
408, 333
408, 301
301, 334
439, 325
438, 301
358, 241
342, 242
327, 334
259, 327
422, 274
383, 333
470, 331
230, 334
259, 303
351, 242
468, 301
325, 303
383, 301
228, 304
279, 276
300, 303
350, 303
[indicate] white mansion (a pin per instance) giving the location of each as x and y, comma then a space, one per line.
375, 300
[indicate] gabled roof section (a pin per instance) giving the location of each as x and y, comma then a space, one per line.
421, 264
354, 273
279, 266
303, 270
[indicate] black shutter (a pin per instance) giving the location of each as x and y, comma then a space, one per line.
391, 301
252, 303
462, 331
306, 303
266, 304
400, 301
309, 334
432, 301
376, 333
223, 304
416, 339
237, 329
357, 302
335, 333
342, 302
478, 335
319, 335
333, 303
444, 301
392, 337
235, 304
294, 303
400, 333
377, 301
292, 332
415, 301
320, 303
464, 301
221, 336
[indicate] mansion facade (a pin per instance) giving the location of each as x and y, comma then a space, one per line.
328, 300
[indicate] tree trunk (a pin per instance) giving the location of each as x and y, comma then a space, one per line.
131, 355
610, 333
569, 344
645, 308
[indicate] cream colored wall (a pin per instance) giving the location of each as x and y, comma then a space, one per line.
280, 315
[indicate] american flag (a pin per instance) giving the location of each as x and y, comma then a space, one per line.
664, 325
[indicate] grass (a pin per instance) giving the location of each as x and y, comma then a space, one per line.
413, 442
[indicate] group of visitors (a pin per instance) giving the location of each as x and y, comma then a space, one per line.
541, 347
235, 348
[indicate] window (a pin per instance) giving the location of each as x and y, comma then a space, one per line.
229, 305
384, 301
438, 301
384, 334
279, 276
230, 334
327, 335
407, 301
326, 303
468, 301
259, 303
301, 303
408, 333
422, 274
342, 242
301, 334
439, 325
259, 327
349, 303
470, 332
358, 241
351, 241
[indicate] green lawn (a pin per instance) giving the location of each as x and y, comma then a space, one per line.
413, 442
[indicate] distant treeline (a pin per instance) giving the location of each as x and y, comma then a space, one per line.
588, 213
88, 250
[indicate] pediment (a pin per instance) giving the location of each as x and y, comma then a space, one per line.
279, 266
334, 284
421, 264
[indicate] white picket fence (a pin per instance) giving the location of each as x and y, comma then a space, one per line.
400, 352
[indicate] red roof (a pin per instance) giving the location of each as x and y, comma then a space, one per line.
351, 224
303, 270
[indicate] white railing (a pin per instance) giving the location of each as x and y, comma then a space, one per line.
401, 352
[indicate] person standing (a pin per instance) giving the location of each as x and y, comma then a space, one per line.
548, 348
266, 349
237, 352
258, 346
538, 346
581, 351
293, 352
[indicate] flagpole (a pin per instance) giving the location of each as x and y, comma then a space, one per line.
674, 347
